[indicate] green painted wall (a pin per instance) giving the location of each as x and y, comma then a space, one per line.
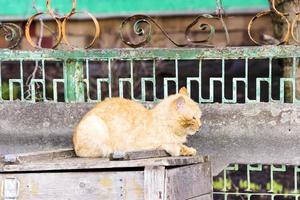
23, 8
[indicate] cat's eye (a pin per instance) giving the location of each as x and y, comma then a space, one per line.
194, 118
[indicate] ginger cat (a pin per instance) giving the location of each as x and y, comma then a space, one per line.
119, 124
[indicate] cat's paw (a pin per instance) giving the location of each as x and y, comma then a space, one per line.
187, 151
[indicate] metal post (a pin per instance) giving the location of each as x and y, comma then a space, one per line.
73, 81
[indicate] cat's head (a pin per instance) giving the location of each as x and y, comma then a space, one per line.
186, 112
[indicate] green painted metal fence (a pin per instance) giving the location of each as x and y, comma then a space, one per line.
215, 75
77, 76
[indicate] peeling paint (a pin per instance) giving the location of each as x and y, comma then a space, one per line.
282, 51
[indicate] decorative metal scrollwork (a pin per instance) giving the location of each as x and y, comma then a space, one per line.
96, 24
137, 30
27, 30
61, 22
137, 22
293, 27
290, 32
202, 27
12, 34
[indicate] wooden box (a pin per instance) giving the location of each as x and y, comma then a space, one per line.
70, 178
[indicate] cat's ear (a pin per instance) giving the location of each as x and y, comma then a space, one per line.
183, 91
180, 103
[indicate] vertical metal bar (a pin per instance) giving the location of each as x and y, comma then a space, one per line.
131, 80
249, 169
109, 79
220, 80
233, 167
296, 171
105, 80
176, 74
35, 81
270, 79
271, 179
294, 78
225, 196
55, 83
224, 181
22, 81
154, 80
1, 99
275, 169
223, 80
173, 79
73, 81
234, 88
267, 80
148, 79
44, 80
289, 80
87, 80
249, 196
200, 99
247, 81
19, 81
198, 80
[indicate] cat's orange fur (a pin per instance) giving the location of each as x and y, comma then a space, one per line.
119, 124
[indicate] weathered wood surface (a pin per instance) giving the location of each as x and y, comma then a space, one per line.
135, 155
231, 133
154, 182
68, 153
80, 185
96, 163
37, 156
149, 183
192, 181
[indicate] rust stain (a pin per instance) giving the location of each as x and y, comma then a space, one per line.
106, 183
34, 188
22, 184
138, 189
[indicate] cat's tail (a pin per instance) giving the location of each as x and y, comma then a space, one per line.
91, 138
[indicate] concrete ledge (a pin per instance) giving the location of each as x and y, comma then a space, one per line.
231, 133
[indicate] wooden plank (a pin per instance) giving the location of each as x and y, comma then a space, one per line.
80, 185
69, 152
97, 163
154, 183
40, 155
135, 155
188, 181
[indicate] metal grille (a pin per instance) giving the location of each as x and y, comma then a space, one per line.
257, 182
229, 75
111, 71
